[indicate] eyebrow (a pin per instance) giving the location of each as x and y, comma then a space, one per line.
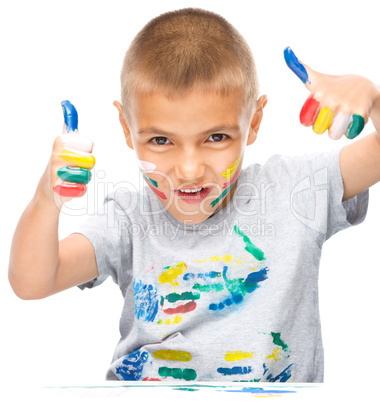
156, 131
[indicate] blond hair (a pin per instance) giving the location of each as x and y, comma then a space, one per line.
186, 49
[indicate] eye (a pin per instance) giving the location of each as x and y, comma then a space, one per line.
159, 139
219, 136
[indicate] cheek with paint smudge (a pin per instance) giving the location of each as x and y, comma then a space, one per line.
146, 166
230, 176
149, 167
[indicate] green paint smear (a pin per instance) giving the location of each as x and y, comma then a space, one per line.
150, 180
356, 126
249, 246
235, 285
178, 374
216, 287
186, 389
213, 203
278, 341
173, 297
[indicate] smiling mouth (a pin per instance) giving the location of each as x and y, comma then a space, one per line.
193, 194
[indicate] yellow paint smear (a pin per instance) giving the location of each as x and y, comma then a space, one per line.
172, 273
177, 319
238, 355
274, 355
230, 171
86, 161
225, 258
174, 355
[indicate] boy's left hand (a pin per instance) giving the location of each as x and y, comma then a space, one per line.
340, 103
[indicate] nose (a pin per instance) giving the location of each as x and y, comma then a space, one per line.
190, 166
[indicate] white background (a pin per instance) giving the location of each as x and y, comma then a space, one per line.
56, 50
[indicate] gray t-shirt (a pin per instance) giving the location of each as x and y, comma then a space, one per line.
234, 298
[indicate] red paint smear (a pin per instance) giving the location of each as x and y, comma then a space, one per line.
185, 308
309, 111
150, 379
233, 178
159, 193
69, 189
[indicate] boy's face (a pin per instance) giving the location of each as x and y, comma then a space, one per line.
197, 141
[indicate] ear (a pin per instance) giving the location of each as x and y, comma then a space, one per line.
256, 119
124, 124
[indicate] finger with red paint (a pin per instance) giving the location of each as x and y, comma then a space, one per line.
339, 104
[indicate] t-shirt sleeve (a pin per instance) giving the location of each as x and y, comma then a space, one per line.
109, 234
312, 188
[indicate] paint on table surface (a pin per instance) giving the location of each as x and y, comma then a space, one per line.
143, 389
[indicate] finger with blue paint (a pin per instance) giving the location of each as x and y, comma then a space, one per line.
76, 151
296, 66
322, 108
70, 115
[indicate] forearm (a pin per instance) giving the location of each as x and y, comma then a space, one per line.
35, 246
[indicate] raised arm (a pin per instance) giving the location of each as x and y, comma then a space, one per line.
41, 265
343, 105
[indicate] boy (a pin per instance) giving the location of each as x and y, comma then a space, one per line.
224, 287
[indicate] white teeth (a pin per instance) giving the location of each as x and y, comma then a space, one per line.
191, 191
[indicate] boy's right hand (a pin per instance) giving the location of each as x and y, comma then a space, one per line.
68, 170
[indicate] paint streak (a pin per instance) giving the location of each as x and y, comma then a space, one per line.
157, 192
186, 389
74, 175
70, 115
132, 366
230, 171
150, 180
178, 374
174, 297
234, 370
249, 246
172, 273
323, 121
239, 287
247, 285
309, 111
151, 379
148, 167
265, 369
283, 376
68, 189
80, 159
261, 391
227, 190
176, 320
278, 341
225, 258
203, 275
356, 126
229, 182
174, 355
296, 66
185, 308
216, 287
274, 355
238, 355
146, 301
